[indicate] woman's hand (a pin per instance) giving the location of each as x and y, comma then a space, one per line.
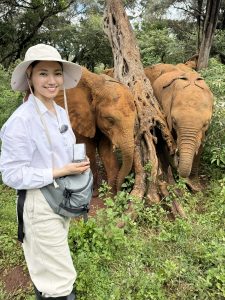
72, 168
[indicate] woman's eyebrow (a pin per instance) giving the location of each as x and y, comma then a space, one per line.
46, 70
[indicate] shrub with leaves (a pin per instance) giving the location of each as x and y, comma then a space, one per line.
9, 100
214, 151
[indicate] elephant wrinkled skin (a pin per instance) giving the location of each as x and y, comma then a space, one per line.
187, 103
154, 71
102, 115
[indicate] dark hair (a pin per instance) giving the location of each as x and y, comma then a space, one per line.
35, 62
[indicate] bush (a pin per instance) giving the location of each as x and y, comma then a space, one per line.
9, 100
153, 258
214, 150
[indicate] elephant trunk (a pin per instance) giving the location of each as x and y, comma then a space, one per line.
127, 151
187, 141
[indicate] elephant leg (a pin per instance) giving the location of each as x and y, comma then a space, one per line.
91, 147
109, 161
193, 180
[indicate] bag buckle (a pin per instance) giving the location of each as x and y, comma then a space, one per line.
67, 193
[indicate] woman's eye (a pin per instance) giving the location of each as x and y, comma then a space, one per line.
59, 74
43, 74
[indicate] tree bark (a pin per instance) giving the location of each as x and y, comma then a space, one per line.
128, 69
212, 12
199, 23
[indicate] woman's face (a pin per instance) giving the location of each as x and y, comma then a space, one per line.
46, 79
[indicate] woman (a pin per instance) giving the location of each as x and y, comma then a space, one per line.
28, 163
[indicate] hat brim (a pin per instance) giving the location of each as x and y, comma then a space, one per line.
71, 73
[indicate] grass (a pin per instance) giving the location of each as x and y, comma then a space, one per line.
152, 258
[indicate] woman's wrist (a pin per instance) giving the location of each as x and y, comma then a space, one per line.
58, 173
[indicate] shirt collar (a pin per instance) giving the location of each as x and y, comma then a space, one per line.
42, 107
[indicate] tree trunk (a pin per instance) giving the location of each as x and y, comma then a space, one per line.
212, 11
128, 69
199, 23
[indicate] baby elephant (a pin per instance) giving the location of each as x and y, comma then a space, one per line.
187, 103
102, 114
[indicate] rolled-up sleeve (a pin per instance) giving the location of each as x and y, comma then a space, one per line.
17, 151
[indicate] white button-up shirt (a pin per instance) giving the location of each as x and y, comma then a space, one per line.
26, 156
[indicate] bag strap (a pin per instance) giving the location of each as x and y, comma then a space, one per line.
66, 105
20, 205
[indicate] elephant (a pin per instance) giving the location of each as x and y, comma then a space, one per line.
102, 115
154, 71
187, 103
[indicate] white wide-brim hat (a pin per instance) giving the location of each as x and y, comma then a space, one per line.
71, 71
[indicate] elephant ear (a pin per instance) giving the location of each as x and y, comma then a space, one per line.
155, 71
152, 73
109, 72
80, 110
164, 91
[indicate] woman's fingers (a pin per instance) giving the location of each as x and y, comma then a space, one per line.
80, 167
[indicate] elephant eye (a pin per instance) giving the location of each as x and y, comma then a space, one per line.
206, 124
110, 120
174, 122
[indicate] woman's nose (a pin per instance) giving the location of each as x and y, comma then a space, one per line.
52, 79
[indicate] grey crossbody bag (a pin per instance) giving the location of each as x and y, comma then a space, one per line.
70, 195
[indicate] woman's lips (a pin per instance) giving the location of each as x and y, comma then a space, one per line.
51, 89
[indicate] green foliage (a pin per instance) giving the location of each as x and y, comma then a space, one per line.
153, 46
151, 258
177, 192
214, 76
219, 43
128, 183
27, 22
94, 47
10, 251
214, 150
73, 27
104, 189
160, 43
148, 170
9, 100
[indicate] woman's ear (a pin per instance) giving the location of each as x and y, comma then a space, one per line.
28, 72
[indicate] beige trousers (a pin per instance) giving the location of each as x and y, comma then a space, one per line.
46, 247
